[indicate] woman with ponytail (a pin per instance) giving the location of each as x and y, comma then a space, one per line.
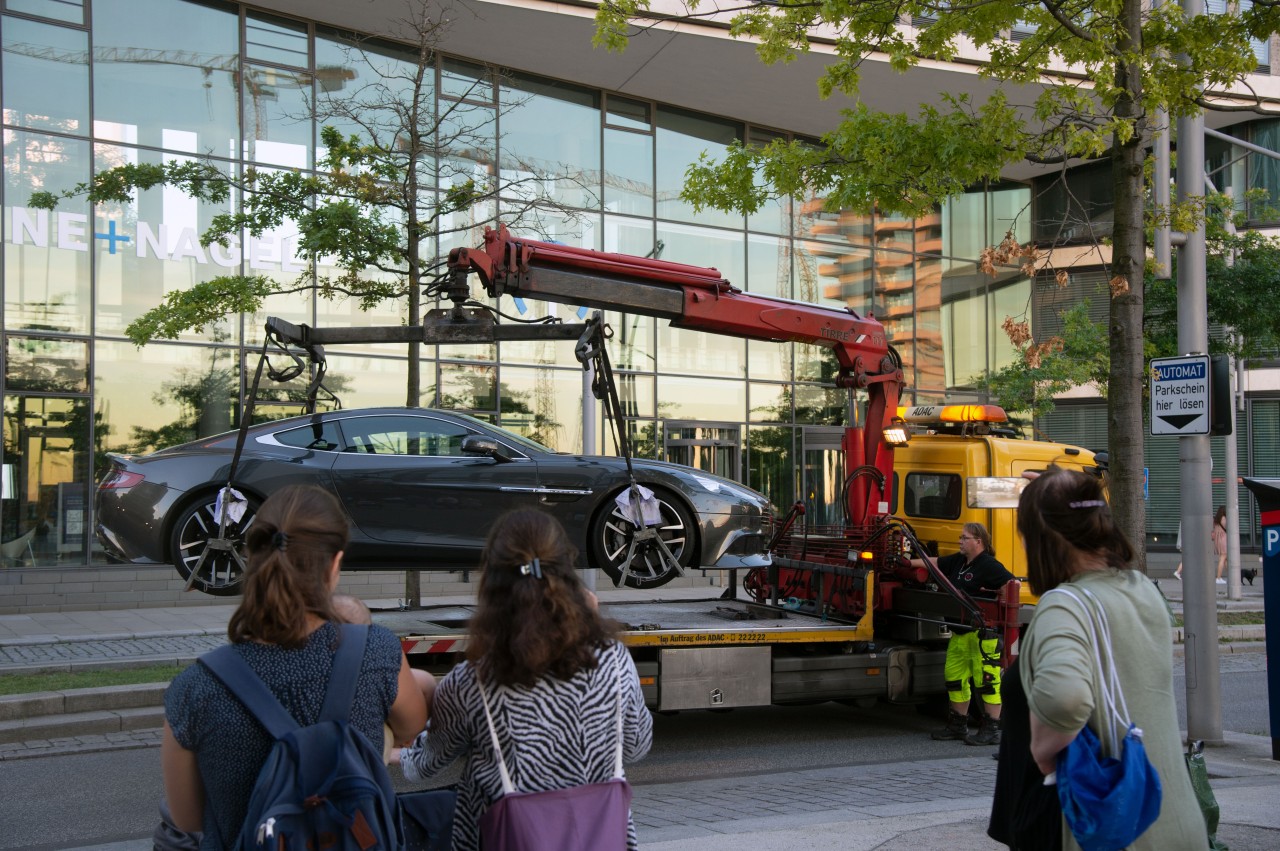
285, 628
551, 671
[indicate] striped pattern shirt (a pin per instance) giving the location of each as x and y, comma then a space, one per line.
554, 735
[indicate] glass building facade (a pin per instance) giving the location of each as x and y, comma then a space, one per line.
88, 86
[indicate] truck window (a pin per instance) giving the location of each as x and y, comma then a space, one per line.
935, 495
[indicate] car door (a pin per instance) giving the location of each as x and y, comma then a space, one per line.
404, 480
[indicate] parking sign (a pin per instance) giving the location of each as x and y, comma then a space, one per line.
1180, 395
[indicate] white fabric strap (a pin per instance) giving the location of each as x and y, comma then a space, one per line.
508, 787
1115, 711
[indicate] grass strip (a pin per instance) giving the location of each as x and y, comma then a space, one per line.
98, 678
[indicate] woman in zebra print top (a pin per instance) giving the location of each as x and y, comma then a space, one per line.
551, 669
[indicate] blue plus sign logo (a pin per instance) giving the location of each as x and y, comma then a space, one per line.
111, 236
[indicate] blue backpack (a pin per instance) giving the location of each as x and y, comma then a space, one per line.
323, 786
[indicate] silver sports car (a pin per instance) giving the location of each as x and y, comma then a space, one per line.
420, 488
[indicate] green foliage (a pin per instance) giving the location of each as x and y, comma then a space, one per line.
1045, 368
1127, 53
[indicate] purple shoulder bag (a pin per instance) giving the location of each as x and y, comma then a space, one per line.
581, 818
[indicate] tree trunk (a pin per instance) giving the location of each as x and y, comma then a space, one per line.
1126, 377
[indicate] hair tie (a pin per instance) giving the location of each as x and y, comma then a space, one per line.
533, 568
1088, 503
280, 541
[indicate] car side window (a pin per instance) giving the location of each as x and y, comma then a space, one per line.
403, 435
935, 495
319, 437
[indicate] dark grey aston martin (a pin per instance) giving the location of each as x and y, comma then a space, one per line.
420, 488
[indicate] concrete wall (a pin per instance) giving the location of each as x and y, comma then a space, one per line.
68, 589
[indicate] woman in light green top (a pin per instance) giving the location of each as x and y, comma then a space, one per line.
1071, 539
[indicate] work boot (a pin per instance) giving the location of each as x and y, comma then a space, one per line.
957, 727
987, 734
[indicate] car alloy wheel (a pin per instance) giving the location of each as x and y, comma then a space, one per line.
612, 536
222, 570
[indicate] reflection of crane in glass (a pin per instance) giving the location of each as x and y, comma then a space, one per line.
261, 83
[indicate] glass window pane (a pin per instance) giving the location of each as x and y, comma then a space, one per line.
361, 382
358, 84
46, 446
632, 346
630, 236
964, 308
276, 40
768, 266
45, 365
147, 93
771, 467
277, 117
1010, 209
700, 353
682, 137
925, 353
190, 392
628, 172
466, 81
836, 275
545, 405
716, 400
770, 403
774, 215
769, 360
632, 114
821, 405
636, 394
814, 221
71, 11
467, 387
550, 144
46, 76
150, 247
46, 254
722, 250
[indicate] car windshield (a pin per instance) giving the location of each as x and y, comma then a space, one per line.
518, 439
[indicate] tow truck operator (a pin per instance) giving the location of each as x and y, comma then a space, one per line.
972, 654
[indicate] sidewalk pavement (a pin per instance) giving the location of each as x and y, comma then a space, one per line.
898, 806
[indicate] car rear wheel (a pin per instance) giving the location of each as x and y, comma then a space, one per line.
644, 565
221, 572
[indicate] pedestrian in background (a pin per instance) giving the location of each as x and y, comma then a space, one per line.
973, 655
1072, 541
1220, 541
553, 675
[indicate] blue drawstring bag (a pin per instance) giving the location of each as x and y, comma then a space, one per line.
1108, 799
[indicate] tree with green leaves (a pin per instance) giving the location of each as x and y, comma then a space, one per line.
396, 177
1085, 81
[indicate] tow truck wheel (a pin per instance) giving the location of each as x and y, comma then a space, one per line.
612, 534
221, 574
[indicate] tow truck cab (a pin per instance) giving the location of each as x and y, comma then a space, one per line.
963, 464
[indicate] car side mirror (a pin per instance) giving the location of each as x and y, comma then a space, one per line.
478, 444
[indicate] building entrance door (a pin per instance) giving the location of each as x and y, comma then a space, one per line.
822, 475
44, 513
714, 448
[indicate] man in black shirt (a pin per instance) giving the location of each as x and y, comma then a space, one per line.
973, 655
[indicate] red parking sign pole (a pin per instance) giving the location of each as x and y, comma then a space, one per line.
1267, 492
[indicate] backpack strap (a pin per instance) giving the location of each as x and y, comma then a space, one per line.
241, 680
345, 673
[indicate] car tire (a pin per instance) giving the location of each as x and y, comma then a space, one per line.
221, 575
611, 535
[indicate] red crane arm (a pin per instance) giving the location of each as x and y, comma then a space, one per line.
699, 298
